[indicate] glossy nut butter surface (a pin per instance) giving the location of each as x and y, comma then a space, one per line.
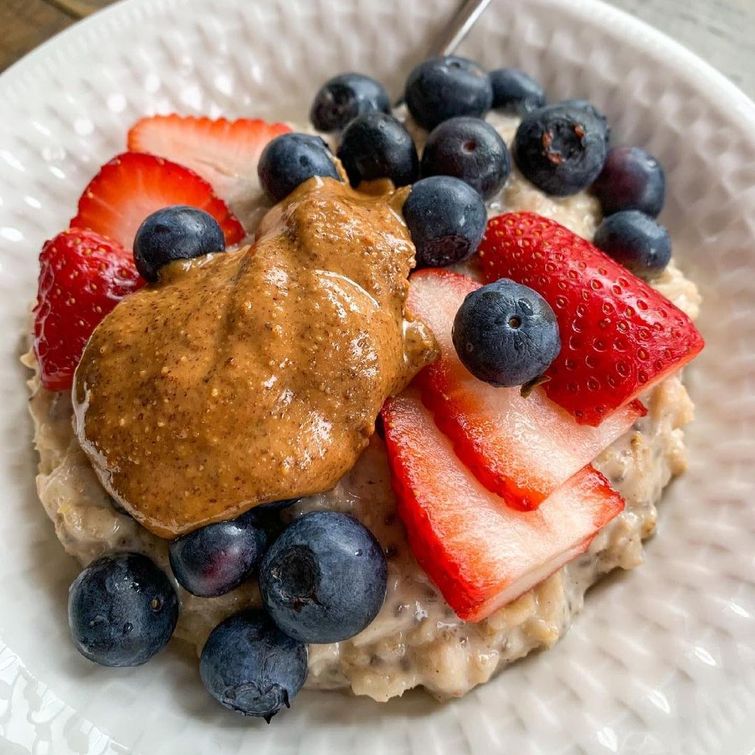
257, 374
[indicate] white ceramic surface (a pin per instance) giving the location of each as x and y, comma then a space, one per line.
662, 659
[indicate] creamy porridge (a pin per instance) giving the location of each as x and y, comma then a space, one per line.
416, 640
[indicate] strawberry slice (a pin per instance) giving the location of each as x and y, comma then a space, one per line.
520, 448
480, 554
223, 152
82, 277
132, 186
619, 336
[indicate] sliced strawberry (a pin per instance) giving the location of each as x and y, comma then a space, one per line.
520, 448
480, 554
132, 186
82, 277
223, 152
619, 336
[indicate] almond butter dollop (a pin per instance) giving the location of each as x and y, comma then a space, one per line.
256, 374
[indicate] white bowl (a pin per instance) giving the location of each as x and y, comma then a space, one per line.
662, 660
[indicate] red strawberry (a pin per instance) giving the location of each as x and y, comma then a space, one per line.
520, 448
479, 553
82, 277
619, 336
223, 152
132, 186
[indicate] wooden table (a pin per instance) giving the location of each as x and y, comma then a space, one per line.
720, 31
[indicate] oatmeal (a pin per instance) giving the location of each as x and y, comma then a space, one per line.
416, 640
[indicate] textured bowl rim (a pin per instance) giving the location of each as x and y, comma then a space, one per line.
731, 105
723, 93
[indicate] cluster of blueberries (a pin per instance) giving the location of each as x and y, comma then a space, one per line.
562, 148
505, 334
322, 578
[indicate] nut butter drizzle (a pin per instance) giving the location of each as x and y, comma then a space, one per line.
257, 374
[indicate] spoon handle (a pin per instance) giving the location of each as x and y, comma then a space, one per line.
459, 26
455, 31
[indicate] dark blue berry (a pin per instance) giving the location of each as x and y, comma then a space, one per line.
469, 149
560, 148
376, 145
267, 517
515, 92
587, 107
506, 334
291, 159
122, 610
175, 233
324, 578
217, 558
444, 87
344, 97
249, 666
636, 241
277, 505
631, 179
446, 218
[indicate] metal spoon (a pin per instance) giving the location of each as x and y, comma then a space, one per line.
454, 32
458, 27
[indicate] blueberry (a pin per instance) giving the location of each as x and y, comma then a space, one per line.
587, 107
506, 334
344, 97
446, 218
631, 179
469, 149
121, 610
217, 558
636, 241
515, 92
324, 578
175, 233
376, 145
444, 87
290, 159
277, 505
249, 666
560, 148
267, 517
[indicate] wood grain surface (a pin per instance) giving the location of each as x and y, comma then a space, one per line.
720, 31
24, 24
